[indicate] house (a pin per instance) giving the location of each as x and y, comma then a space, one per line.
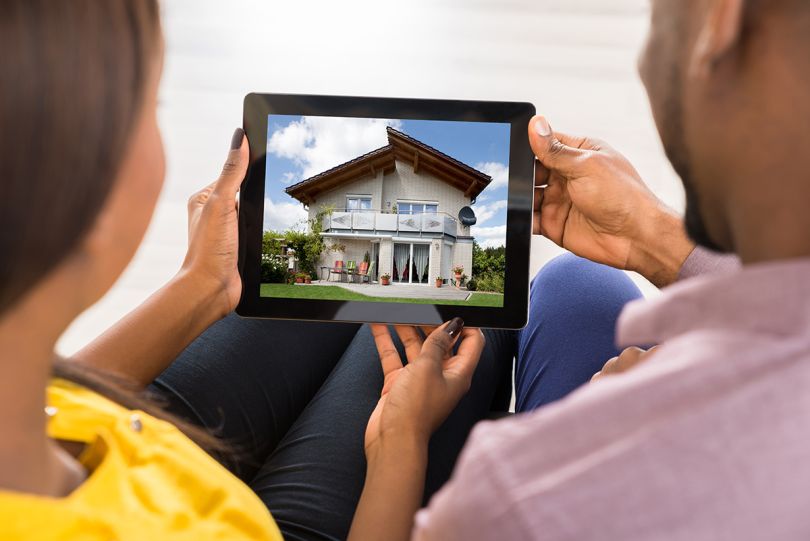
406, 205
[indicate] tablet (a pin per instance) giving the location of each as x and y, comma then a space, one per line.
401, 211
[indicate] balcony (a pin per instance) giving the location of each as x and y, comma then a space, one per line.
376, 222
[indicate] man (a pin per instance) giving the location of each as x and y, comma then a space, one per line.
707, 437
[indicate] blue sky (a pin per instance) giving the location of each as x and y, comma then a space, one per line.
300, 147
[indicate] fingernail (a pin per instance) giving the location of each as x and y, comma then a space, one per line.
238, 136
542, 127
454, 327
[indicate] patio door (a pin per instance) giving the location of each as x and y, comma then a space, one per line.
411, 263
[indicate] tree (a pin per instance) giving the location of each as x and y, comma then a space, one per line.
309, 245
489, 268
488, 260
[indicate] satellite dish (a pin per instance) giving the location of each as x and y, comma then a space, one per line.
467, 216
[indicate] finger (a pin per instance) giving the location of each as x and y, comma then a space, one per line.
199, 197
554, 211
578, 141
629, 358
427, 329
472, 344
411, 340
611, 367
389, 358
464, 363
552, 153
235, 168
440, 342
537, 223
541, 174
596, 377
541, 178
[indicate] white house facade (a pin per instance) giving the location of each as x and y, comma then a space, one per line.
404, 206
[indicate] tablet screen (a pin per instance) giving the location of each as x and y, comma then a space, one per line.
385, 210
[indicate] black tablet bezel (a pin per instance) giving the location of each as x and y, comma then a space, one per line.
513, 315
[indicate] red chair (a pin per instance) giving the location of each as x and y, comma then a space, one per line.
338, 269
362, 271
368, 274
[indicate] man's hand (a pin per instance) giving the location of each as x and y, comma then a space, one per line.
596, 206
627, 360
213, 231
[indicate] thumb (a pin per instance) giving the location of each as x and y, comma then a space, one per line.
235, 168
552, 153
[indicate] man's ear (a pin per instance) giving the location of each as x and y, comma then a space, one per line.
720, 33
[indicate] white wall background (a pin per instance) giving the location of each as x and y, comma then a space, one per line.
576, 60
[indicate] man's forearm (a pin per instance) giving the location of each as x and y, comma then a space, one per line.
148, 339
395, 484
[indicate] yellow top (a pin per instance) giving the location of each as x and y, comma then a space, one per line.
147, 481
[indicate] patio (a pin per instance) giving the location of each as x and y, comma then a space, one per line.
407, 291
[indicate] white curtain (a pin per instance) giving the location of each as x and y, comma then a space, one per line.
421, 257
402, 253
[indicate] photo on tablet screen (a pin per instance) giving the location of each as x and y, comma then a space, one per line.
385, 210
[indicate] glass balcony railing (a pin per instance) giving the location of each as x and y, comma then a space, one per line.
371, 221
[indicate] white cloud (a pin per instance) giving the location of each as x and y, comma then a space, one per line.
490, 237
498, 171
284, 216
485, 212
289, 177
317, 144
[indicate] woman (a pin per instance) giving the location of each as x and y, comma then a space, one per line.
82, 169
84, 453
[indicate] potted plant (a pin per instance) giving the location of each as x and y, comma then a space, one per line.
385, 279
307, 279
299, 278
458, 270
439, 281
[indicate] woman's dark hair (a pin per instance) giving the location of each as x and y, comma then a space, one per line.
72, 85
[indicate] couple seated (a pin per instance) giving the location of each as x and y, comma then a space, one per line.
347, 430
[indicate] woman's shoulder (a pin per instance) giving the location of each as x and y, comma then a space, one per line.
145, 479
76, 413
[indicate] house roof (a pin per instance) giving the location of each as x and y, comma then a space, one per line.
400, 147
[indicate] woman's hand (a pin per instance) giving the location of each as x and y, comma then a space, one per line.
597, 206
416, 399
419, 396
213, 230
146, 341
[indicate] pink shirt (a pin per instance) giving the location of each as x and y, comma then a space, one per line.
710, 439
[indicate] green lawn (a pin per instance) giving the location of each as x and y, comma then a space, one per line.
337, 293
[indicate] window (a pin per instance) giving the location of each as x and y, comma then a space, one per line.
358, 203
410, 207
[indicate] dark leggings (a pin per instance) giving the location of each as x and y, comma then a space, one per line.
294, 398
